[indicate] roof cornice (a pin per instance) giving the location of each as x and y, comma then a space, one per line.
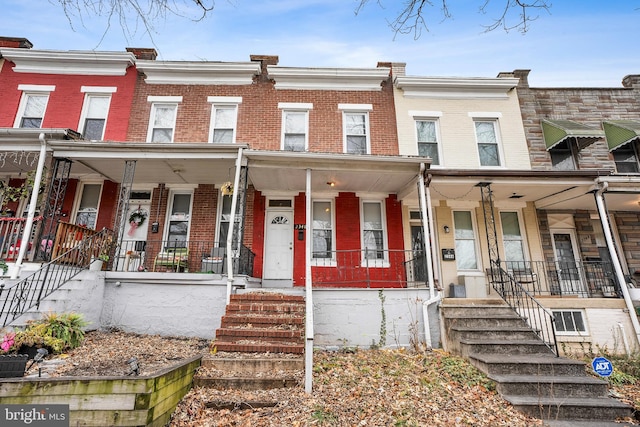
455, 87
203, 73
68, 62
359, 79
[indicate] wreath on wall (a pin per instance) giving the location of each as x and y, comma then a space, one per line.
136, 219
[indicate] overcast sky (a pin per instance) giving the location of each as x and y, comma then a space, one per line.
579, 43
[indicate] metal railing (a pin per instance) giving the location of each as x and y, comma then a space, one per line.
180, 256
538, 318
369, 268
27, 293
11, 237
576, 278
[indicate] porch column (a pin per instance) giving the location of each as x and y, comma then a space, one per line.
308, 283
123, 206
425, 212
232, 222
617, 267
26, 233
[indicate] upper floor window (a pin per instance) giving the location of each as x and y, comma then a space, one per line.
95, 111
322, 230
487, 139
32, 105
295, 125
626, 158
563, 156
162, 122
427, 135
355, 118
224, 116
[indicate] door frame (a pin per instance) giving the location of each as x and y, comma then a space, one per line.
269, 210
581, 285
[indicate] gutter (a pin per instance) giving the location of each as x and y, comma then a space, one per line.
606, 227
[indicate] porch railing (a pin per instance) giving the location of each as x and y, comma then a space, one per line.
369, 268
574, 278
17, 298
11, 237
540, 319
180, 256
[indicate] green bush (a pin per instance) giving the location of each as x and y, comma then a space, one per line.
59, 332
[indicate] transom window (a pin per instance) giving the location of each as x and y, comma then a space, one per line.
94, 116
487, 139
373, 231
428, 140
465, 241
569, 322
322, 230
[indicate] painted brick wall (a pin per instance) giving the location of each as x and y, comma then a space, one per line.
65, 103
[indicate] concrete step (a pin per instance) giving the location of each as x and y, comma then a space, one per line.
265, 307
469, 310
570, 408
484, 320
547, 385
250, 366
237, 383
247, 372
504, 347
575, 423
486, 332
527, 364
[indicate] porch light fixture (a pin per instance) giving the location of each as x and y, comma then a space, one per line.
331, 184
446, 229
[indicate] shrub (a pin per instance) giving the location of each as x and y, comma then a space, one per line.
58, 332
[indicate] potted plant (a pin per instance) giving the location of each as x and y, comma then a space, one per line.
12, 365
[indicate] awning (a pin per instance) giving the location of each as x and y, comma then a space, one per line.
620, 132
557, 131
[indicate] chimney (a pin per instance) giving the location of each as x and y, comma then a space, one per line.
19, 42
523, 75
632, 80
397, 68
143, 53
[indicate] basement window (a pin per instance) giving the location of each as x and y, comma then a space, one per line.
569, 322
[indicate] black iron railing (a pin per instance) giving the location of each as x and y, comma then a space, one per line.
540, 319
18, 298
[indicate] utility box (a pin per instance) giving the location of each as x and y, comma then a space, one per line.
456, 291
475, 285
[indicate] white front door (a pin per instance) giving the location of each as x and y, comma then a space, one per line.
567, 262
278, 248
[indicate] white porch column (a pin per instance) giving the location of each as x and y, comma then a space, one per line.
232, 222
308, 284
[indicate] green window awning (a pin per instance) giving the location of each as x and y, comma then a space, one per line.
621, 132
557, 131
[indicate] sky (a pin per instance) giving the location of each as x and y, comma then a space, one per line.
578, 43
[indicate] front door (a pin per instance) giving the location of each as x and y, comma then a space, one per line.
278, 248
567, 262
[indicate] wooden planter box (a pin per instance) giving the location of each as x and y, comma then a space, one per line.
13, 365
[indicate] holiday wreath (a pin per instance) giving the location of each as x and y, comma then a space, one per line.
136, 219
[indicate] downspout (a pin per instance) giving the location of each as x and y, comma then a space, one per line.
308, 285
26, 233
606, 228
232, 222
427, 224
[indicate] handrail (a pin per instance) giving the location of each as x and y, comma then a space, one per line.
31, 290
522, 302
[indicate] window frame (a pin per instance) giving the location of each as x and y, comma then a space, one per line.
559, 314
78, 201
631, 147
375, 262
223, 103
522, 240
222, 242
475, 239
319, 261
169, 217
91, 92
438, 145
497, 144
156, 102
572, 154
356, 109
32, 91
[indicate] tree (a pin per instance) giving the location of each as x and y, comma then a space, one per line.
413, 18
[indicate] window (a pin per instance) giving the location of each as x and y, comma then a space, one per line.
355, 129
225, 220
373, 231
512, 239
294, 130
224, 116
32, 108
322, 230
428, 140
465, 241
487, 139
87, 214
179, 220
562, 156
626, 159
94, 116
162, 122
569, 322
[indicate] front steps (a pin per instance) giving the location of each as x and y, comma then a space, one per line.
249, 372
527, 374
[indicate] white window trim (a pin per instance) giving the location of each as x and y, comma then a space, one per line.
172, 193
164, 99
438, 136
306, 126
152, 116
98, 89
355, 107
376, 263
78, 199
85, 110
325, 262
32, 90
484, 115
476, 239
573, 333
295, 106
496, 129
425, 114
523, 232
217, 102
344, 129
